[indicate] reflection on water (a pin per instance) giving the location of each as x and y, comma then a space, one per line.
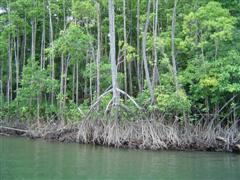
21, 158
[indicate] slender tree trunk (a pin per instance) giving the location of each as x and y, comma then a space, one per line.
77, 82
144, 40
62, 74
25, 39
91, 80
130, 78
43, 40
125, 47
65, 78
9, 77
51, 45
174, 65
130, 62
16, 57
62, 83
139, 77
34, 27
33, 48
73, 82
98, 51
113, 52
85, 91
155, 68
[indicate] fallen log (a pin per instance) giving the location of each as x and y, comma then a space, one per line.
14, 129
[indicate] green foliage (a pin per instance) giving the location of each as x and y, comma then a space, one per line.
172, 102
209, 25
206, 47
72, 112
74, 41
83, 9
34, 83
215, 79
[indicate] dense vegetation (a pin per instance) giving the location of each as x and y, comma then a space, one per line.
72, 59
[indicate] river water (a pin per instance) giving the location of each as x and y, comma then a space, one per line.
21, 158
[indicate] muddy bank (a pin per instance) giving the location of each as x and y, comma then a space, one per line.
138, 135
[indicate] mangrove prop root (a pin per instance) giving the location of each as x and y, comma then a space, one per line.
141, 134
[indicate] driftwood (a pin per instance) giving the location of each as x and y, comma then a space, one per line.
221, 139
14, 129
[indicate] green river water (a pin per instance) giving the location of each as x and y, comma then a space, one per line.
21, 158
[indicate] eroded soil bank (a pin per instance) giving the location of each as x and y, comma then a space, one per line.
139, 135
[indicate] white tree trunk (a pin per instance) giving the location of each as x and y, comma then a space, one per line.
51, 45
124, 47
98, 51
155, 67
174, 65
113, 52
144, 40
139, 77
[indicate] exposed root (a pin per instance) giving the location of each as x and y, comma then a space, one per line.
140, 134
155, 135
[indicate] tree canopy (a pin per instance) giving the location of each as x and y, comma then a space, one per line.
67, 59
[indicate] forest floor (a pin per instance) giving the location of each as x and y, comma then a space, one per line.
152, 135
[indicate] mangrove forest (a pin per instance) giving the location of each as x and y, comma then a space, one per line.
145, 74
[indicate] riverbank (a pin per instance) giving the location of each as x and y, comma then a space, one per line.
151, 135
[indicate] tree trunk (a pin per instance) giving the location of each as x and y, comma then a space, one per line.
144, 40
91, 80
174, 65
33, 48
113, 52
131, 44
139, 77
51, 45
62, 83
16, 57
125, 47
85, 91
9, 77
34, 29
43, 41
25, 39
98, 51
65, 78
77, 82
62, 74
73, 82
155, 67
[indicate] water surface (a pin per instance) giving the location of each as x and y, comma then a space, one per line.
21, 158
